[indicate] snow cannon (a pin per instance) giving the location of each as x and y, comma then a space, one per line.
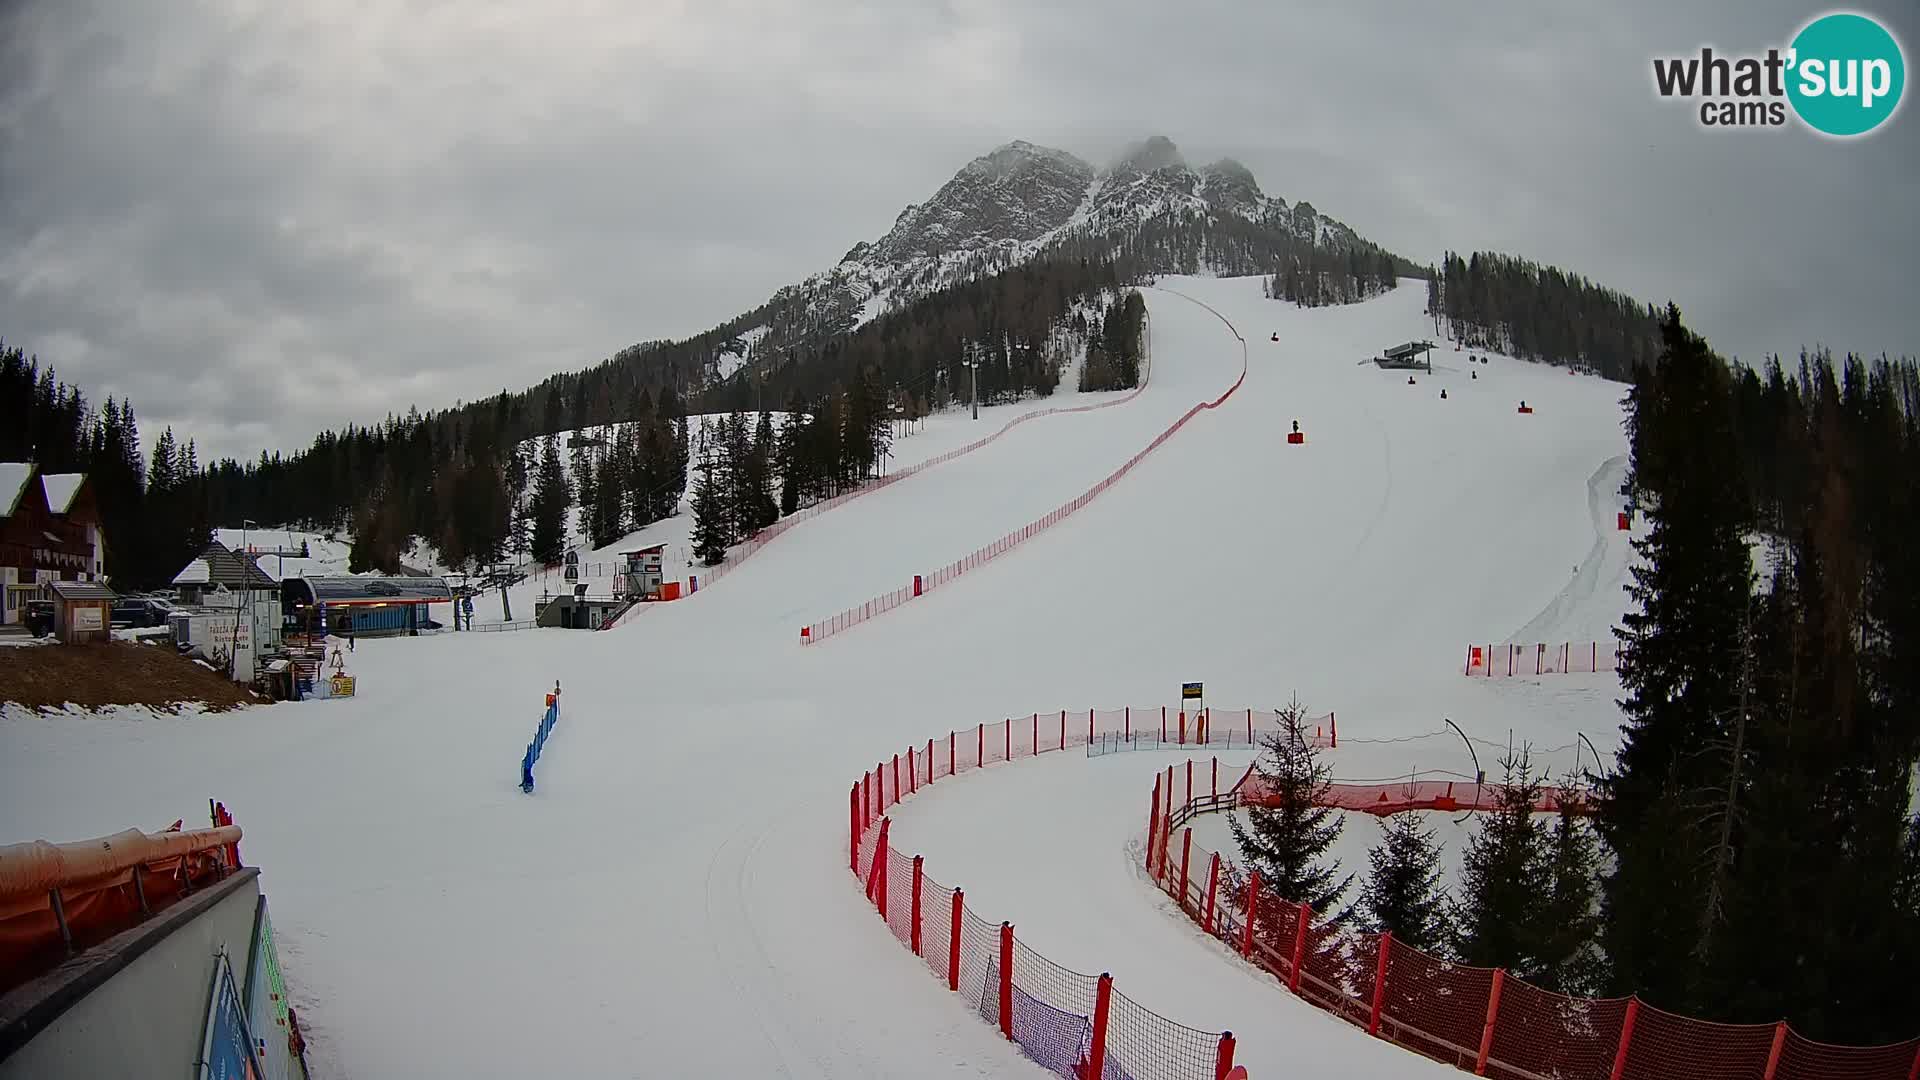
1409, 380
1526, 409
1294, 437
1443, 393
1276, 336
1475, 374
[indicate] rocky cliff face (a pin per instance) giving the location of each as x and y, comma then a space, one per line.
1022, 202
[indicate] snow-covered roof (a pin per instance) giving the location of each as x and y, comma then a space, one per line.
258, 539
280, 568
196, 572
61, 488
13, 478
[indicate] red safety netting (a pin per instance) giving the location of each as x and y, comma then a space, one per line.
879, 605
1478, 1019
1804, 1059
1541, 658
1051, 1011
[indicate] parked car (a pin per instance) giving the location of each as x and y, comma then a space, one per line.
39, 618
141, 611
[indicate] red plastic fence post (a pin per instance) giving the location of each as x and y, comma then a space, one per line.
980, 751
1773, 1055
1036, 735
1189, 782
950, 764
1216, 778
1163, 723
1626, 1039
1213, 888
1249, 727
917, 875
1380, 981
913, 774
853, 829
883, 865
1333, 723
1063, 729
1102, 1002
954, 923
1253, 901
1009, 739
896, 778
931, 774
1299, 946
876, 880
1126, 724
1006, 980
1089, 727
1153, 823
1595, 662
1183, 727
1223, 1064
1186, 856
866, 797
1493, 1014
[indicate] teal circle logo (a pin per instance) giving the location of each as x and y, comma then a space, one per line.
1846, 74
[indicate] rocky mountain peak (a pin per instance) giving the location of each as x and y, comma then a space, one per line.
1151, 155
1017, 193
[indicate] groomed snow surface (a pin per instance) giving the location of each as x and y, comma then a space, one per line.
674, 900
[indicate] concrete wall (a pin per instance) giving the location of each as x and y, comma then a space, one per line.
135, 1005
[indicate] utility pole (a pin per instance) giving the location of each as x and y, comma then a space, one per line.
973, 365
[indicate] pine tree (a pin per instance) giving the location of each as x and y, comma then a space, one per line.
1287, 833
551, 499
712, 514
1570, 961
1680, 664
1501, 907
1403, 893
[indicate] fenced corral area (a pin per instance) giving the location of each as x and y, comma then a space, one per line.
1072, 1023
924, 583
1542, 658
1481, 1020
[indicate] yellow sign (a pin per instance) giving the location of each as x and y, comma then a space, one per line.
342, 685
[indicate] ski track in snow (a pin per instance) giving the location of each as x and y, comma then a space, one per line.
673, 899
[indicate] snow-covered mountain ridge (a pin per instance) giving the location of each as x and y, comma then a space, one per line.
1021, 202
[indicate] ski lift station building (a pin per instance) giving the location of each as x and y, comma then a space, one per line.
377, 605
1412, 354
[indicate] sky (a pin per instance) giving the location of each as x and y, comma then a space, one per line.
256, 220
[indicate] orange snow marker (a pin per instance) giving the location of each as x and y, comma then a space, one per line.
1294, 437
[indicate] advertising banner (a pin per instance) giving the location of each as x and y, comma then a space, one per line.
267, 1000
226, 1051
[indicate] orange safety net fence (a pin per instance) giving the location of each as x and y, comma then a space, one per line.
1480, 1020
56, 899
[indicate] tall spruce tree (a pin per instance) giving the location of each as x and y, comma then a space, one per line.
1569, 955
1680, 663
1403, 893
1287, 835
1500, 910
551, 498
712, 513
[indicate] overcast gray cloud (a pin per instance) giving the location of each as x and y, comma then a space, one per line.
259, 219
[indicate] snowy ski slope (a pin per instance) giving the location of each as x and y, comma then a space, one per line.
673, 899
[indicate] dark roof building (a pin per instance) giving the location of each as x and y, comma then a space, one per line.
364, 605
220, 567
49, 531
